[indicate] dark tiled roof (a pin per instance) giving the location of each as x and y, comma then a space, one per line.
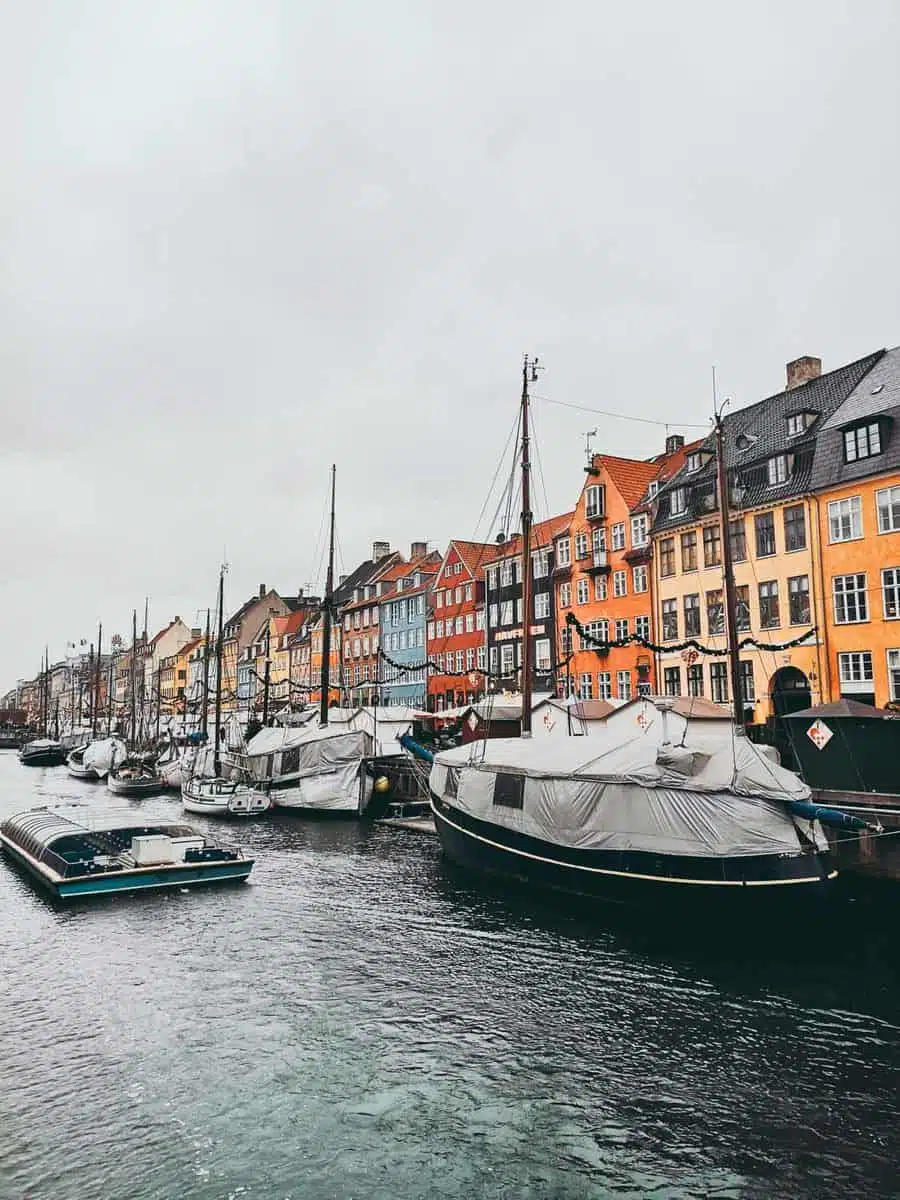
755, 434
876, 395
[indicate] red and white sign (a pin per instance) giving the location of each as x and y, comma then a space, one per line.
819, 734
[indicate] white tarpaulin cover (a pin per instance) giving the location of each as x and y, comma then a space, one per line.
308, 767
102, 756
707, 799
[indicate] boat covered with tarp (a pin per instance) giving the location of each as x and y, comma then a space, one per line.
77, 851
311, 767
96, 760
631, 819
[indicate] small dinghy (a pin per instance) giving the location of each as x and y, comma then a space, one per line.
135, 780
75, 765
223, 798
42, 752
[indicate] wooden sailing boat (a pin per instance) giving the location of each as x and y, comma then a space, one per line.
213, 794
44, 751
136, 777
640, 822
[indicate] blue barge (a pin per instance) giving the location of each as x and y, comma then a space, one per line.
76, 851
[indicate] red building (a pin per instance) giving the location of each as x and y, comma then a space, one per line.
454, 636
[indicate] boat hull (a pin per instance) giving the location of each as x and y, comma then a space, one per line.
135, 789
665, 884
80, 772
221, 798
138, 880
42, 758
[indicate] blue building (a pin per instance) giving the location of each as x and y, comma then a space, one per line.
402, 617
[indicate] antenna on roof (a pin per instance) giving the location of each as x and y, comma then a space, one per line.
588, 434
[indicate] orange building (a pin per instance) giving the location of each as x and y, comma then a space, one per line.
856, 485
604, 577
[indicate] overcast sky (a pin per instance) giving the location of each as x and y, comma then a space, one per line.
242, 240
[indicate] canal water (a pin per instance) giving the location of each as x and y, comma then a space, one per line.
361, 1021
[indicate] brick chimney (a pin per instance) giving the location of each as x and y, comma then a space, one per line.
262, 590
674, 442
380, 550
801, 370
417, 550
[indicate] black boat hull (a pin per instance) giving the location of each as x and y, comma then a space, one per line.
661, 883
42, 758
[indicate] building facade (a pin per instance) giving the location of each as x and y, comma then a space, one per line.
402, 626
455, 628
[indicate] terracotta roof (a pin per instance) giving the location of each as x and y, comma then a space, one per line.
289, 624
631, 476
191, 645
542, 535
474, 554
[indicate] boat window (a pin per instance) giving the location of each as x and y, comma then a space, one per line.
509, 791
290, 760
451, 787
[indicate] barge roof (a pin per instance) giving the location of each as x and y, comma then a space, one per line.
42, 826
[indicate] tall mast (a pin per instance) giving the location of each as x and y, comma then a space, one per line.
326, 617
132, 728
45, 693
204, 711
216, 761
92, 712
268, 670
731, 630
97, 681
529, 368
110, 685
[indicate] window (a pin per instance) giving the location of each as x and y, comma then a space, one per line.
642, 626
457, 570
479, 657
689, 551
667, 557
893, 666
890, 592
517, 570
563, 553
639, 531
794, 528
718, 682
494, 658
541, 605
738, 534
692, 616
653, 489
715, 612
431, 631
540, 565
593, 501
565, 639
712, 545
670, 620
748, 682
887, 502
509, 791
798, 599
778, 469
764, 524
617, 536
565, 595
542, 655
601, 587
678, 502
520, 612
581, 591
479, 619
639, 579
506, 613
695, 680
620, 583
468, 591
439, 625
581, 545
604, 685
862, 442
585, 686
596, 631
598, 539
506, 574
672, 681
493, 616
621, 628
796, 424
855, 667
693, 462
850, 601
439, 600
460, 625
623, 685
768, 604
845, 519
507, 658
470, 622
491, 582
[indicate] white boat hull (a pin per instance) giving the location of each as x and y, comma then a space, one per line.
223, 798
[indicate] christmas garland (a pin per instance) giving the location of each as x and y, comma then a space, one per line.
635, 639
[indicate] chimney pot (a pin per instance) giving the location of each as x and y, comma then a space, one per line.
802, 370
501, 538
380, 550
674, 442
262, 590
418, 550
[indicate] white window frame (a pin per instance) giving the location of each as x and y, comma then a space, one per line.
845, 512
678, 501
620, 583
563, 552
621, 628
601, 587
541, 605
890, 507
639, 581
623, 684
617, 536
594, 501
639, 531
582, 594
893, 672
565, 595
890, 587
855, 667
642, 626
581, 545
778, 470
840, 592
542, 655
604, 685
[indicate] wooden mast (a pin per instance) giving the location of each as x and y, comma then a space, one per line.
324, 676
529, 368
132, 729
730, 614
204, 711
96, 685
219, 643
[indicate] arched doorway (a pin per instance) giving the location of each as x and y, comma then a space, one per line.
789, 692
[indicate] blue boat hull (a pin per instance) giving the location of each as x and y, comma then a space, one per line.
139, 880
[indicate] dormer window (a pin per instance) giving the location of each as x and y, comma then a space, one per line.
862, 442
653, 489
744, 441
679, 501
417, 579
693, 462
798, 423
399, 585
779, 469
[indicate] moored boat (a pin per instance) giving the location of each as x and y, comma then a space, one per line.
42, 752
135, 779
223, 798
74, 851
75, 765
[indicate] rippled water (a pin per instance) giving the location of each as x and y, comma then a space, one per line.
358, 1021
